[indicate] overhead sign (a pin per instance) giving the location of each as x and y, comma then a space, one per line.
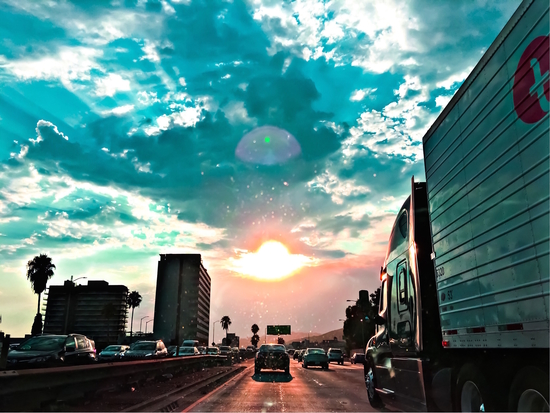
278, 330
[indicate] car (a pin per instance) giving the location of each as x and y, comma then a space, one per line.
291, 351
251, 349
201, 349
315, 357
146, 349
112, 352
273, 357
225, 350
190, 343
357, 358
171, 351
296, 354
212, 351
52, 350
301, 356
186, 351
335, 354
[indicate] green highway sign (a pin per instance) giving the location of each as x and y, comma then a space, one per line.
278, 330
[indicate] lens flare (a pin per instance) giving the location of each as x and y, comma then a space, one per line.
267, 145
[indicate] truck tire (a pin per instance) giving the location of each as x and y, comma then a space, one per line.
370, 384
472, 391
529, 391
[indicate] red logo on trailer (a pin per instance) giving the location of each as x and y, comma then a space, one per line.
531, 95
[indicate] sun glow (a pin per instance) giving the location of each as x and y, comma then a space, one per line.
272, 262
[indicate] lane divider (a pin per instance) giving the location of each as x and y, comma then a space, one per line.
217, 389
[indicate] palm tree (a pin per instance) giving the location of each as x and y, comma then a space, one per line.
254, 340
39, 271
133, 301
225, 322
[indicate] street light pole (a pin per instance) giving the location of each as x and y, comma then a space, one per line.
142, 318
147, 322
214, 331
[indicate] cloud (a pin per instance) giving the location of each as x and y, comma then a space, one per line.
111, 84
120, 110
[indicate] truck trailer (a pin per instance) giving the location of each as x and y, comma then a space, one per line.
463, 321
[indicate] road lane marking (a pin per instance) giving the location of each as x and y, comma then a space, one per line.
223, 386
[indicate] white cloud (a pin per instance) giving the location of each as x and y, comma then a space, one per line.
237, 113
70, 65
441, 101
150, 50
336, 187
360, 94
187, 116
111, 84
120, 110
182, 81
148, 98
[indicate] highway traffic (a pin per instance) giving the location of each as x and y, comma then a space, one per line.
340, 388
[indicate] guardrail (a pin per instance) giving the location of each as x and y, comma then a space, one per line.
32, 389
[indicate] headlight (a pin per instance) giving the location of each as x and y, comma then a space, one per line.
150, 354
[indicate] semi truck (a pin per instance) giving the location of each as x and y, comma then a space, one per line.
463, 320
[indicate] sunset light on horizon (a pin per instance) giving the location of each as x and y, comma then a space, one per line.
272, 262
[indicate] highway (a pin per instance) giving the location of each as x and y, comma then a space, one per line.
341, 388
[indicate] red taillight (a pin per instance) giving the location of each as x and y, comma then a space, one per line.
445, 343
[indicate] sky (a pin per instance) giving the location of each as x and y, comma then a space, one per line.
130, 129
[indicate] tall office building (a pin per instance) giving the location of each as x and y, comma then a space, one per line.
97, 310
182, 302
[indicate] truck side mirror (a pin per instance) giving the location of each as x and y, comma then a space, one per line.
379, 321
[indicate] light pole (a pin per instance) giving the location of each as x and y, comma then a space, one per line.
70, 293
142, 318
79, 278
147, 322
214, 331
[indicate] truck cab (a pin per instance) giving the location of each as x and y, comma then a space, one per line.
408, 322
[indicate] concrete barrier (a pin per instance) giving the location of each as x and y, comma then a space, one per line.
34, 389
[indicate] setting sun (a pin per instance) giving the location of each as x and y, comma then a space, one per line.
271, 262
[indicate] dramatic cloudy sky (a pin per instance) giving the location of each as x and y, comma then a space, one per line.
120, 120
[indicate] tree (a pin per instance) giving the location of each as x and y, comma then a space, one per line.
255, 339
108, 312
280, 340
225, 322
133, 301
39, 271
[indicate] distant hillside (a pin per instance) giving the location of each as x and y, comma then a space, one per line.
298, 336
339, 333
295, 336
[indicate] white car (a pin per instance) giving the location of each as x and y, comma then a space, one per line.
186, 351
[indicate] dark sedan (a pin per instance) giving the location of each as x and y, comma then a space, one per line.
146, 350
52, 350
272, 357
357, 358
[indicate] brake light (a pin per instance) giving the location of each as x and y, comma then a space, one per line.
445, 343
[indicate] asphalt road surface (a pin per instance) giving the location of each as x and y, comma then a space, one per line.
340, 389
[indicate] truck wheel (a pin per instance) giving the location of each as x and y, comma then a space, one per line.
529, 391
370, 384
472, 392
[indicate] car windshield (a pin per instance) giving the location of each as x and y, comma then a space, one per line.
315, 351
212, 349
187, 350
42, 344
144, 346
359, 355
112, 348
271, 347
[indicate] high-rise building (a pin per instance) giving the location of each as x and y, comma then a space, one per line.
182, 302
97, 310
